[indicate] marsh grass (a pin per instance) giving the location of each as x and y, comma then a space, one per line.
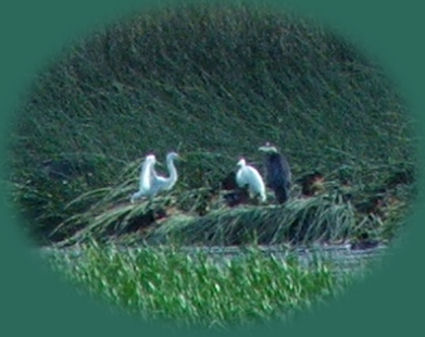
335, 215
213, 82
193, 290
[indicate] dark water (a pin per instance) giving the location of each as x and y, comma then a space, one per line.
344, 258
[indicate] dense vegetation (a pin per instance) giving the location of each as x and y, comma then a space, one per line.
192, 289
212, 82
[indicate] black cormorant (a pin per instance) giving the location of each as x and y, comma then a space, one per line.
278, 173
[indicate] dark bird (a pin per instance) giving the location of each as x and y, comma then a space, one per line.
278, 173
229, 182
236, 197
234, 194
312, 184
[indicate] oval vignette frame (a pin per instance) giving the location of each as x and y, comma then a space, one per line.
35, 301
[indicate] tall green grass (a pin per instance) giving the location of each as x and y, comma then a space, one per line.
192, 289
213, 82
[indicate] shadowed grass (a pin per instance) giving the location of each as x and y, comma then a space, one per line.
199, 216
299, 221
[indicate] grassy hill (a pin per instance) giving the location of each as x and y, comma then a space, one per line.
213, 83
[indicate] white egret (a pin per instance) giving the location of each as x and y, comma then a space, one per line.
249, 176
161, 183
278, 173
150, 182
146, 178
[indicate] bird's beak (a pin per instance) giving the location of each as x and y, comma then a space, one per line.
267, 148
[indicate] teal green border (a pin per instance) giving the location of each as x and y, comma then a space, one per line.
33, 301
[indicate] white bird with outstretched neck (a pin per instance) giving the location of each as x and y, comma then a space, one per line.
248, 176
145, 180
151, 183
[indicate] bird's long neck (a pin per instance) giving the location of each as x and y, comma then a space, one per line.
171, 171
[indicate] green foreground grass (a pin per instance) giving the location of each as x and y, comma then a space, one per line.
193, 290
